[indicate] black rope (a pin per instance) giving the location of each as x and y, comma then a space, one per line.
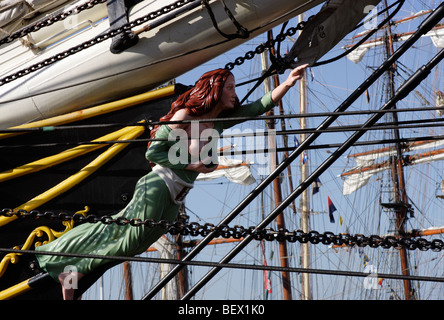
241, 32
367, 36
279, 64
228, 265
240, 119
400, 125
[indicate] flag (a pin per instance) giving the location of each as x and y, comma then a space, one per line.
331, 209
305, 158
316, 186
365, 260
267, 280
296, 142
367, 96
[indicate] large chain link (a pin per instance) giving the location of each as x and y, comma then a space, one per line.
267, 45
238, 232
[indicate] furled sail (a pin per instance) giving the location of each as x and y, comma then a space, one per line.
436, 35
14, 13
366, 167
234, 170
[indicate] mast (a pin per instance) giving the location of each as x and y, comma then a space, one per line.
304, 201
182, 283
286, 282
401, 202
128, 281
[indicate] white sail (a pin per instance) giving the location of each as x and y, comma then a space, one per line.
360, 175
436, 35
234, 170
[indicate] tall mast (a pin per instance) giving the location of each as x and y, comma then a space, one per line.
286, 282
182, 282
128, 281
304, 201
401, 201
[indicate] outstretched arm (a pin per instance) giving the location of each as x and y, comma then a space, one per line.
278, 93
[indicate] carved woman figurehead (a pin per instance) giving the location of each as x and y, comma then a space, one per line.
202, 97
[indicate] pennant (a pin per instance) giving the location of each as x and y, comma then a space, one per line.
316, 186
367, 96
365, 260
267, 280
331, 209
305, 158
341, 221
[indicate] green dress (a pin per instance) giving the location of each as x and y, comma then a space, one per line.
151, 200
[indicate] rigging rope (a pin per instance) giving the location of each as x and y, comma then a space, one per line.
254, 151
400, 125
151, 123
242, 32
367, 36
228, 265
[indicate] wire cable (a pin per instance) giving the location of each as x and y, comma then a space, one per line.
227, 265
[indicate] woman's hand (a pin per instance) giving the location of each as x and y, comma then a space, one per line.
297, 73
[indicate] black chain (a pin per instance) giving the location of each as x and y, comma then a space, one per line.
267, 45
49, 21
238, 232
94, 41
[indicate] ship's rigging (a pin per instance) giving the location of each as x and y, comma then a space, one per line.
323, 128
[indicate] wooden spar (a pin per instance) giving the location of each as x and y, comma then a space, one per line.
394, 23
128, 281
410, 160
395, 36
426, 232
304, 201
405, 147
220, 167
398, 172
286, 282
190, 244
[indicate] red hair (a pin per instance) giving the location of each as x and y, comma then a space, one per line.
201, 98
